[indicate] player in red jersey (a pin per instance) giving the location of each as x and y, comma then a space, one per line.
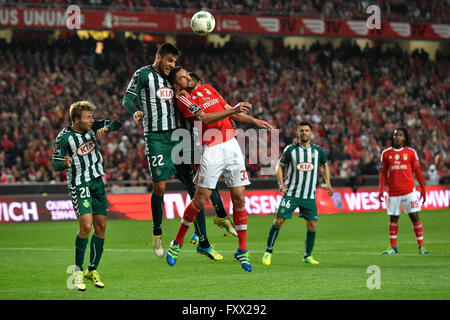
221, 156
397, 165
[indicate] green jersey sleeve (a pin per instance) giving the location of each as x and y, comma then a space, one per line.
61, 150
133, 89
113, 125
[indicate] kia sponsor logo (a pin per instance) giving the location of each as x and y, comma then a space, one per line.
305, 166
165, 93
86, 148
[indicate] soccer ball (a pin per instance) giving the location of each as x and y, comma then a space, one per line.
203, 23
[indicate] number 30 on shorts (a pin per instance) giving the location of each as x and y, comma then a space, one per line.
244, 175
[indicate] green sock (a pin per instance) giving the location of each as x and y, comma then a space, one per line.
218, 204
96, 252
273, 234
157, 213
309, 242
200, 229
80, 250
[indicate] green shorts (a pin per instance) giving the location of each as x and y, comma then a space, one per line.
158, 148
89, 197
308, 208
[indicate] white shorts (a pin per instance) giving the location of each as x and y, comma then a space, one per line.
409, 201
223, 159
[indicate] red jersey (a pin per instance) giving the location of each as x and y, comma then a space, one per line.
398, 166
206, 98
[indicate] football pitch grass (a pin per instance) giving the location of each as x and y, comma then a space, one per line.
34, 258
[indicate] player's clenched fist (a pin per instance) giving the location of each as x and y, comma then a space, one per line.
137, 117
68, 161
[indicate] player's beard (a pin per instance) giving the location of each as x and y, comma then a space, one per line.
160, 67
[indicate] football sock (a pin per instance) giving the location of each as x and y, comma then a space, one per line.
240, 222
190, 213
80, 250
418, 230
273, 234
218, 204
157, 213
96, 252
200, 229
309, 242
393, 231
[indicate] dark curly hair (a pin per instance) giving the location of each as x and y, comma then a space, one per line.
405, 132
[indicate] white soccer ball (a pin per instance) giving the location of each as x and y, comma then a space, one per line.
203, 23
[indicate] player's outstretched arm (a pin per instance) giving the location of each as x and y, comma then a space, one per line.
245, 118
100, 127
212, 117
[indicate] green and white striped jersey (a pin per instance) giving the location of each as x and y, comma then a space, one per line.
87, 161
303, 168
156, 98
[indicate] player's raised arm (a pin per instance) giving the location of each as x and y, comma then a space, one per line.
100, 127
133, 89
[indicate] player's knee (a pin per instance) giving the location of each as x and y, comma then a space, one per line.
85, 230
278, 222
201, 198
311, 225
159, 188
238, 200
99, 228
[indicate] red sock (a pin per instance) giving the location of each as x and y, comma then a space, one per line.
240, 222
418, 230
190, 213
393, 230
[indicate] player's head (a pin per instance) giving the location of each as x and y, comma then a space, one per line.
304, 130
81, 115
180, 79
166, 57
399, 138
196, 78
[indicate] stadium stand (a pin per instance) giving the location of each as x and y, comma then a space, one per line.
392, 10
353, 96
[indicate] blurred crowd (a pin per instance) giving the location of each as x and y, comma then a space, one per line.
353, 97
392, 10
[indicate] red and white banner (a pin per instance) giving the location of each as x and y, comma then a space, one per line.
180, 22
257, 202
